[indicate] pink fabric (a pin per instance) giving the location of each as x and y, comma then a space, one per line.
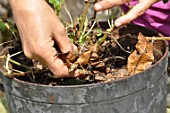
156, 18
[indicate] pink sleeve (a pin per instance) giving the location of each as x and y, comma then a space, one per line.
156, 18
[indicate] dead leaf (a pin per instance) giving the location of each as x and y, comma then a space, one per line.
100, 65
94, 56
94, 64
84, 58
72, 67
71, 56
68, 58
100, 76
141, 58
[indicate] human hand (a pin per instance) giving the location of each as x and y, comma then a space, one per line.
40, 29
135, 12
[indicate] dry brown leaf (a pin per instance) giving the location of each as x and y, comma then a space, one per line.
100, 76
94, 56
101, 65
71, 56
94, 64
142, 57
84, 58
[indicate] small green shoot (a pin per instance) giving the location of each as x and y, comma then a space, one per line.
57, 5
3, 26
99, 32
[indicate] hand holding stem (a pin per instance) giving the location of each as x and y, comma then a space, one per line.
40, 29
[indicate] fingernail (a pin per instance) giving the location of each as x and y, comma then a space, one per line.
118, 24
98, 7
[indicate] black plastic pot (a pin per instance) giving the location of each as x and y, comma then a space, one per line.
141, 93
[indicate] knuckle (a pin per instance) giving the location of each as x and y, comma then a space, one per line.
34, 51
38, 49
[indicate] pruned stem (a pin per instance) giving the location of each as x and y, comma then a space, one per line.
84, 15
16, 63
158, 38
27, 73
71, 20
101, 40
94, 13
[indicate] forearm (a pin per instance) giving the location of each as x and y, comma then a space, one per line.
24, 4
26, 8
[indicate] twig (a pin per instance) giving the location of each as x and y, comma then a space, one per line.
6, 42
90, 29
71, 19
94, 13
84, 15
81, 38
158, 38
101, 40
108, 19
27, 73
115, 40
16, 63
19, 64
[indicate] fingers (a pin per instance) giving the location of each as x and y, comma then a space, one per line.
40, 32
48, 56
135, 12
61, 38
63, 42
105, 4
59, 69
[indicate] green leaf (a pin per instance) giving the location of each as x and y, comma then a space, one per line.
165, 1
99, 32
57, 4
3, 27
71, 36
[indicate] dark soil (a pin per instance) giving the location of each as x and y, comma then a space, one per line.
111, 53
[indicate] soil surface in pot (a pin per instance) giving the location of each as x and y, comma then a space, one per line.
109, 64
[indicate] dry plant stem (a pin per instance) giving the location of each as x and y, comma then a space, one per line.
100, 42
83, 17
158, 38
90, 29
6, 42
71, 20
115, 40
16, 63
108, 20
94, 13
19, 64
27, 73
94, 17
